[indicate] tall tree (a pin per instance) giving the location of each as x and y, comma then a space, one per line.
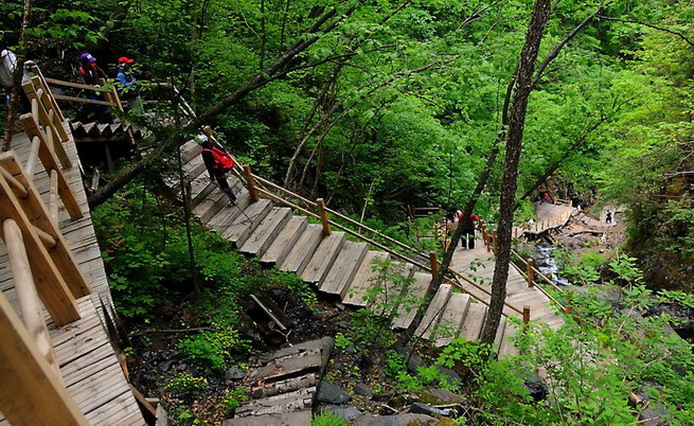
509, 180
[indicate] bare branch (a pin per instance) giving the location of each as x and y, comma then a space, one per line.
646, 24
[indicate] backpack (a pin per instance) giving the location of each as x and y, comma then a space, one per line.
223, 162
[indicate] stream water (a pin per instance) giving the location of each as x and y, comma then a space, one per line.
548, 264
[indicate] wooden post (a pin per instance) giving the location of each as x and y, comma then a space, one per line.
250, 182
530, 272
434, 264
323, 216
32, 314
526, 314
35, 396
54, 104
495, 243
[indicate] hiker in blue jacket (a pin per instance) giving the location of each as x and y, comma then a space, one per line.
129, 84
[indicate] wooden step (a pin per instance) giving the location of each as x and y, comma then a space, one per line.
323, 258
507, 347
190, 150
407, 312
473, 321
345, 267
245, 223
203, 195
500, 334
363, 279
303, 250
452, 318
434, 311
386, 302
226, 213
285, 240
265, 233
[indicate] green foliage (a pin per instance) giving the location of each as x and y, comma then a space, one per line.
234, 400
213, 349
581, 268
327, 418
341, 341
186, 386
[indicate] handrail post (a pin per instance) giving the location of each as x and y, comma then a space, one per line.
530, 273
323, 216
252, 190
434, 264
526, 315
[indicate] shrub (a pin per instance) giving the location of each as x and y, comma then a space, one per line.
212, 349
327, 418
185, 385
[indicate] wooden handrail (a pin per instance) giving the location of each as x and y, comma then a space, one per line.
56, 82
25, 287
84, 100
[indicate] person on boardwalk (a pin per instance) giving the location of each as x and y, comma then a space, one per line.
90, 74
467, 240
608, 217
218, 163
129, 84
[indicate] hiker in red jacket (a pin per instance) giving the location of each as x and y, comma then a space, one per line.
218, 163
467, 240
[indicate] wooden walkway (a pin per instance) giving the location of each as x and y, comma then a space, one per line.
342, 267
88, 365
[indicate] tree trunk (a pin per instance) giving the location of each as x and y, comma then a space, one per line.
17, 77
509, 181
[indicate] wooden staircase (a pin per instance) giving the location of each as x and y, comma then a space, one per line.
336, 264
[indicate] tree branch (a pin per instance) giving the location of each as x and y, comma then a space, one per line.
646, 24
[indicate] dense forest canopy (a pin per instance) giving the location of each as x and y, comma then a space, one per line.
398, 103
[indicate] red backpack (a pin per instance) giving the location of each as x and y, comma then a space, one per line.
222, 160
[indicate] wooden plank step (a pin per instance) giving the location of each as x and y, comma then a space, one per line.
285, 241
245, 223
434, 311
203, 195
190, 150
344, 268
265, 233
323, 258
406, 312
363, 280
307, 361
507, 347
303, 250
500, 334
227, 213
452, 318
473, 321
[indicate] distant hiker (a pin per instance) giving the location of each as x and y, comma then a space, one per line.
452, 221
467, 241
90, 74
129, 84
218, 163
545, 196
608, 217
8, 64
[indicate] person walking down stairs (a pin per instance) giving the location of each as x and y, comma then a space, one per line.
467, 240
218, 163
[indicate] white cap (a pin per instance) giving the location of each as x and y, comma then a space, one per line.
201, 139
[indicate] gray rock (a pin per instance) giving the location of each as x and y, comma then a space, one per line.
413, 362
347, 413
453, 377
396, 420
332, 394
363, 390
535, 388
165, 365
419, 408
234, 373
441, 397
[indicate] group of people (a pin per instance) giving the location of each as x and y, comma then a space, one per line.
454, 219
91, 74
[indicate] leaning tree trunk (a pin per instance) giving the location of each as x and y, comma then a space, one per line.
523, 79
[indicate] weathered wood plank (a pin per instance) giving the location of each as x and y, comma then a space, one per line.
285, 241
323, 258
344, 268
303, 250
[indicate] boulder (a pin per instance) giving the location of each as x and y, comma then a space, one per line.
453, 377
413, 362
347, 413
408, 419
419, 408
441, 397
234, 373
332, 394
363, 390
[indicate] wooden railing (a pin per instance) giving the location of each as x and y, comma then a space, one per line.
43, 268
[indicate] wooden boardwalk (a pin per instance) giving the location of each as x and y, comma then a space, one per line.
88, 365
340, 267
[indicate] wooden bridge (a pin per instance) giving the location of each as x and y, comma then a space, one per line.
57, 364
336, 254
